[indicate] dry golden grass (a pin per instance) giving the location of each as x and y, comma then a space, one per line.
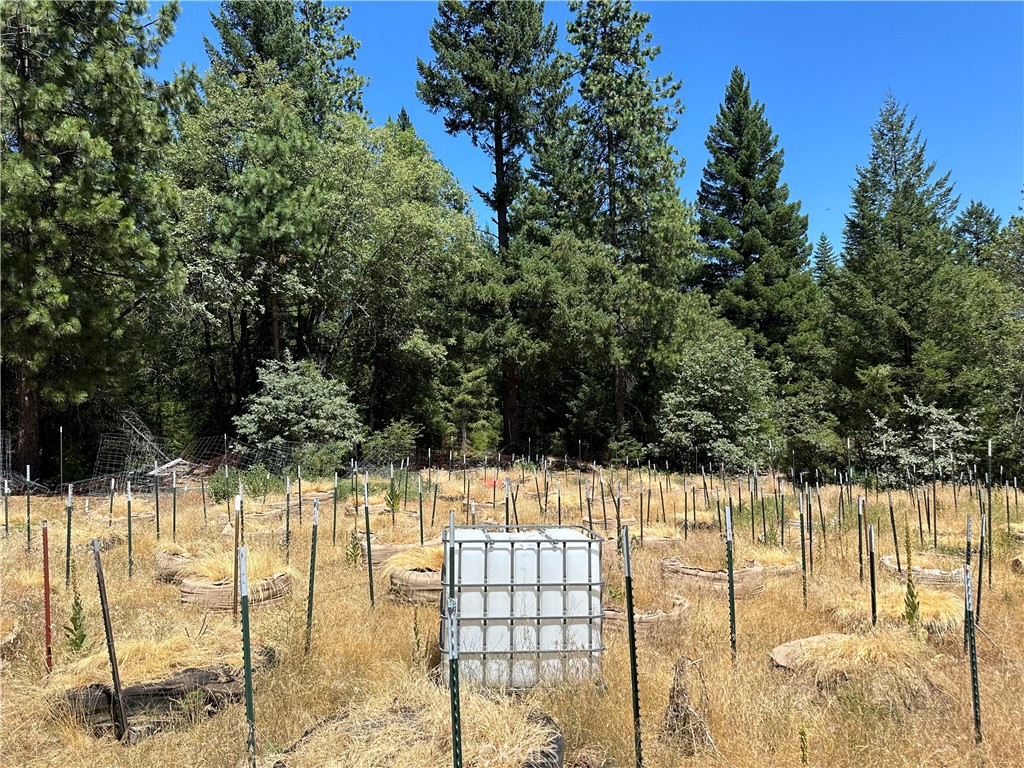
771, 556
940, 611
220, 566
417, 559
887, 668
410, 725
156, 656
363, 658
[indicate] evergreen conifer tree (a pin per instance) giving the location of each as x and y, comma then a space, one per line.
754, 239
85, 197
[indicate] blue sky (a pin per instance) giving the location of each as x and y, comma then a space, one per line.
821, 69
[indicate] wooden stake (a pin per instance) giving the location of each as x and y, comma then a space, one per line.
46, 598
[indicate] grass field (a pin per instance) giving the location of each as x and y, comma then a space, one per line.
886, 697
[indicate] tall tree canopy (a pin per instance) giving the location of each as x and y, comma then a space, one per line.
609, 173
86, 201
754, 240
755, 263
493, 62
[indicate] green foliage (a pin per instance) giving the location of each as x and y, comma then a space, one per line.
74, 631
297, 403
901, 443
975, 229
493, 60
305, 40
86, 200
911, 605
755, 249
719, 405
826, 261
393, 443
353, 552
606, 185
898, 262
322, 460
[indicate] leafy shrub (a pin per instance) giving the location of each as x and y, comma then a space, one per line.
296, 402
393, 443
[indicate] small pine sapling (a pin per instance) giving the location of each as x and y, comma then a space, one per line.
74, 631
911, 605
353, 552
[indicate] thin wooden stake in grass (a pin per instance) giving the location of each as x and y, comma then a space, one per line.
7, 521
287, 519
433, 509
973, 651
67, 548
369, 544
631, 631
235, 575
860, 536
28, 507
156, 497
202, 493
334, 529
988, 487
46, 598
128, 499
110, 515
803, 552
981, 566
174, 505
419, 492
895, 538
453, 649
732, 582
298, 473
809, 523
120, 717
250, 710
312, 575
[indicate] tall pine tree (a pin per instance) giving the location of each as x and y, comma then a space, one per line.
976, 228
616, 185
493, 62
826, 261
754, 240
85, 197
756, 263
897, 250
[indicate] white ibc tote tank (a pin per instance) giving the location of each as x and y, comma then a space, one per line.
529, 603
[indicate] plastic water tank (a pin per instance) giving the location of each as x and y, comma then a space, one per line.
529, 603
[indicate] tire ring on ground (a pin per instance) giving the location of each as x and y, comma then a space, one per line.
748, 581
218, 595
419, 587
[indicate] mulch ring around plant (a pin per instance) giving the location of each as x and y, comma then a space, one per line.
415, 731
748, 581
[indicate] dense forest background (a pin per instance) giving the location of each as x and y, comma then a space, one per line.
245, 253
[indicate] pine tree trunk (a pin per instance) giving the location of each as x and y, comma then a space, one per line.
510, 402
275, 325
620, 395
501, 201
28, 421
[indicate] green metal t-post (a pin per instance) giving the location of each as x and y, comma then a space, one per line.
453, 649
312, 575
250, 710
631, 630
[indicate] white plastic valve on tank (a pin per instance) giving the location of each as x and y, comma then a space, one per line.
529, 603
